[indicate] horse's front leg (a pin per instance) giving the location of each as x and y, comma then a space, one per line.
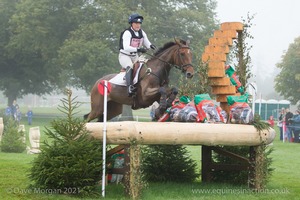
167, 96
163, 100
171, 96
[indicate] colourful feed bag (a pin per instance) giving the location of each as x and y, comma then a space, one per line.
230, 72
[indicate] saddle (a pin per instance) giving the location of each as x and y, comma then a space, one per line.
136, 66
119, 78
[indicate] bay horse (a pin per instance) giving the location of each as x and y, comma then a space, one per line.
152, 84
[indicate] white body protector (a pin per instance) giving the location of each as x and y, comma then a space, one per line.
128, 50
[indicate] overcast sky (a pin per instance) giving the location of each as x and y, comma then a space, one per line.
275, 26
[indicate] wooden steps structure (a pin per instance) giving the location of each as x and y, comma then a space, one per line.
215, 56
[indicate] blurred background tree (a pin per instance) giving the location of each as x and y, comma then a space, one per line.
287, 82
47, 45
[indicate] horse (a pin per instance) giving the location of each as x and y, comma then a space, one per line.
152, 84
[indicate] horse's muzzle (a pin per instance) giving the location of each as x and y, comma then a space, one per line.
189, 74
189, 70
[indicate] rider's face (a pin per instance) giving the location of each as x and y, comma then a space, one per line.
136, 26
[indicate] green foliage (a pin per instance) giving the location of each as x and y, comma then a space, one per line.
240, 52
241, 177
288, 80
13, 141
72, 162
260, 125
168, 163
263, 161
134, 179
232, 177
197, 85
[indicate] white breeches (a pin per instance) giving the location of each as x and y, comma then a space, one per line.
126, 61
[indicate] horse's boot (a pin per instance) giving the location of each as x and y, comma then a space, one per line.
130, 87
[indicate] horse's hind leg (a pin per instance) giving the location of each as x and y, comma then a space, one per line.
113, 109
96, 109
100, 118
85, 117
93, 115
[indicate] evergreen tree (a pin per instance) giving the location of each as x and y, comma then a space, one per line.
72, 162
13, 140
164, 163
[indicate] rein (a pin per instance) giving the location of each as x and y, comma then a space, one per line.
182, 67
172, 65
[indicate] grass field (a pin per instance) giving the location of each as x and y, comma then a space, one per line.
284, 183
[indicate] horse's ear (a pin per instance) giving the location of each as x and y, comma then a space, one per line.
177, 41
183, 42
188, 42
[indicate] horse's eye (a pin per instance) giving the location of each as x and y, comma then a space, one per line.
182, 54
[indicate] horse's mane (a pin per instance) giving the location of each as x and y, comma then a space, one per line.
166, 46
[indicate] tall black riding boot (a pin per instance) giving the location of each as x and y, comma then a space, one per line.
130, 87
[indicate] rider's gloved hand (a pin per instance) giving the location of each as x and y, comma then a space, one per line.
142, 50
152, 46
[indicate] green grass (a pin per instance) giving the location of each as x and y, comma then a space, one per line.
284, 183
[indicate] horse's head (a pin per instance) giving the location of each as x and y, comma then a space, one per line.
183, 58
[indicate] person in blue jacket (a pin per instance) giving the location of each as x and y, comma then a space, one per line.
295, 121
29, 115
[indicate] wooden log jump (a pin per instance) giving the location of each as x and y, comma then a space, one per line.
181, 133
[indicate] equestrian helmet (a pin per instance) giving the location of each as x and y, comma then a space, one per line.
135, 18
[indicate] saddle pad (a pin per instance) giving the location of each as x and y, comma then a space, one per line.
119, 79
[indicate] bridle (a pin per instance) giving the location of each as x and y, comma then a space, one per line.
182, 67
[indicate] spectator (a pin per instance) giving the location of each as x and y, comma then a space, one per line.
271, 121
18, 116
289, 131
14, 108
29, 115
280, 122
296, 125
8, 112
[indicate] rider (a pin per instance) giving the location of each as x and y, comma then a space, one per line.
132, 41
